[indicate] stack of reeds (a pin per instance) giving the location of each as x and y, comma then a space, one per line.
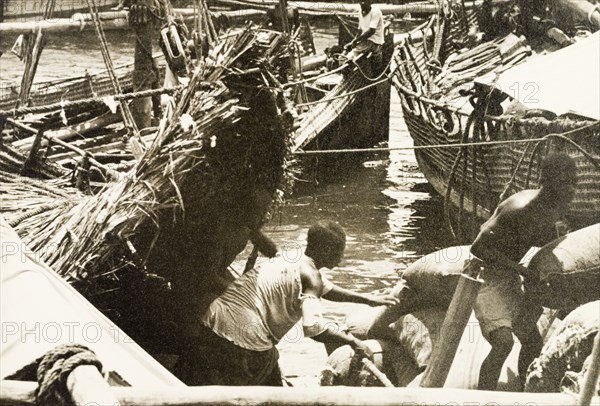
212, 135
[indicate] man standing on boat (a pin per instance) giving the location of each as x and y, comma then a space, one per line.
524, 220
371, 37
236, 344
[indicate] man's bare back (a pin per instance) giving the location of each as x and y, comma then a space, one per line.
519, 223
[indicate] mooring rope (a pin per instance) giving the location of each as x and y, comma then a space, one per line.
52, 371
328, 99
383, 72
457, 145
322, 75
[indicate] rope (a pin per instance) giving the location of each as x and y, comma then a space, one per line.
382, 74
54, 368
447, 196
322, 75
85, 102
325, 100
593, 160
457, 145
125, 112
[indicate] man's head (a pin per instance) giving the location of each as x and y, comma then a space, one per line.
559, 176
325, 244
365, 6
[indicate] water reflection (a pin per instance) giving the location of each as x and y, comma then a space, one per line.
391, 217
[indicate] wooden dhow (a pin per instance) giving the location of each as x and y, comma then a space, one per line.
475, 141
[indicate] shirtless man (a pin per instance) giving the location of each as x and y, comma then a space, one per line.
239, 331
525, 219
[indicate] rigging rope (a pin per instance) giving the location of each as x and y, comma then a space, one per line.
328, 99
458, 145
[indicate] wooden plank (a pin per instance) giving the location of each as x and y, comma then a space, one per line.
88, 387
419, 7
111, 20
455, 321
16, 394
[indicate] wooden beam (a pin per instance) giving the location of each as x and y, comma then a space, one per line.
453, 327
144, 76
78, 22
306, 7
67, 133
111, 20
18, 394
88, 387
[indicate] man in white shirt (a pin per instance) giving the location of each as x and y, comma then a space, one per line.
236, 343
370, 39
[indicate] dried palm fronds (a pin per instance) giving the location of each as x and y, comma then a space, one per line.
212, 136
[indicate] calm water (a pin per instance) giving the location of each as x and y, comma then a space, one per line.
389, 212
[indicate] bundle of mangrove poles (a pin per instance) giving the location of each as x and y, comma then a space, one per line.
210, 135
498, 55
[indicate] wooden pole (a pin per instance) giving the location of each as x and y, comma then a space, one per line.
285, 26
51, 139
143, 72
14, 393
33, 151
454, 325
591, 378
67, 132
88, 387
329, 8
114, 20
377, 373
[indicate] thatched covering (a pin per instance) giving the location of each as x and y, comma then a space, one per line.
210, 175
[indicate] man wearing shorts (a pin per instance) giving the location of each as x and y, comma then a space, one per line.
524, 220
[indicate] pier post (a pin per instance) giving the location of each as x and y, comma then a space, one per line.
142, 21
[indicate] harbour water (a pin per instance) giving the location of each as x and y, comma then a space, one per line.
391, 217
389, 212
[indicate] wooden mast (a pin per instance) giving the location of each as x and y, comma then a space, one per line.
143, 73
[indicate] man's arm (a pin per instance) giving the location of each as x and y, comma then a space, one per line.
360, 37
338, 294
314, 325
323, 330
485, 245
